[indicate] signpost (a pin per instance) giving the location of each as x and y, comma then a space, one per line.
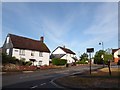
90, 50
109, 67
102, 57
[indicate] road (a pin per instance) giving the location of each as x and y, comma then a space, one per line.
41, 78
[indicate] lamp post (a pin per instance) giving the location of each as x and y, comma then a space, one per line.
101, 43
102, 56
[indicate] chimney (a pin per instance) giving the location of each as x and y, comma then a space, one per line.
64, 46
42, 39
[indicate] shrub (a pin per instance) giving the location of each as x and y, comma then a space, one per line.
28, 63
57, 61
8, 59
9, 67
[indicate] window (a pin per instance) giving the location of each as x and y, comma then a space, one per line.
22, 52
40, 63
32, 53
40, 54
7, 40
7, 51
16, 50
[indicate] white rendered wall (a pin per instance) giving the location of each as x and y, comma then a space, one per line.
59, 51
116, 53
27, 56
69, 58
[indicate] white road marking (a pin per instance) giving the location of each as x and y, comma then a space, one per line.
42, 84
34, 86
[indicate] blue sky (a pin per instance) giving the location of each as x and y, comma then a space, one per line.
77, 25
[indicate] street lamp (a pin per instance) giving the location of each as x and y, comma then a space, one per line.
101, 43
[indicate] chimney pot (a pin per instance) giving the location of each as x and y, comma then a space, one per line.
64, 46
42, 39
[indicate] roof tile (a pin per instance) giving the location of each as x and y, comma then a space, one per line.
27, 43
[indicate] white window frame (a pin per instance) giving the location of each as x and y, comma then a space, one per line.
16, 50
7, 39
40, 54
22, 52
32, 53
7, 51
40, 63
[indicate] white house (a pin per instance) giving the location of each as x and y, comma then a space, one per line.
115, 53
64, 53
29, 49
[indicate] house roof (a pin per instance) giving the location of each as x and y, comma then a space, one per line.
67, 50
27, 43
56, 55
114, 50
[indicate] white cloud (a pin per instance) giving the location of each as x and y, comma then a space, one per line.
105, 24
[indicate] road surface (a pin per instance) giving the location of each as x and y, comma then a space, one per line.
41, 78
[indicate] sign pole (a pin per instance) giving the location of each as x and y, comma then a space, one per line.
90, 63
90, 50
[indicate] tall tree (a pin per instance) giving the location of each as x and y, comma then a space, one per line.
102, 55
84, 57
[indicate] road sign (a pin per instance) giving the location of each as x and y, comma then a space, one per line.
90, 50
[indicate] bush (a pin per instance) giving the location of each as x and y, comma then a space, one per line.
56, 61
28, 63
8, 59
9, 67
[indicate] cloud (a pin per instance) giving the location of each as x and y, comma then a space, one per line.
58, 31
105, 24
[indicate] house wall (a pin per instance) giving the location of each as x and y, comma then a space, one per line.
7, 46
69, 58
44, 60
58, 51
116, 58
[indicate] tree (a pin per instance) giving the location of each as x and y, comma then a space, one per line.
84, 57
98, 59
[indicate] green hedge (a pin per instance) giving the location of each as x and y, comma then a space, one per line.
81, 62
56, 61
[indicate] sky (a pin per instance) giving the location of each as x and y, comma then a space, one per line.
75, 25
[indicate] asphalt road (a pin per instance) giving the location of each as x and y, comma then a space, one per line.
41, 78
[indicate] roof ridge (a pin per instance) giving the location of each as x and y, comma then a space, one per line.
23, 37
67, 50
